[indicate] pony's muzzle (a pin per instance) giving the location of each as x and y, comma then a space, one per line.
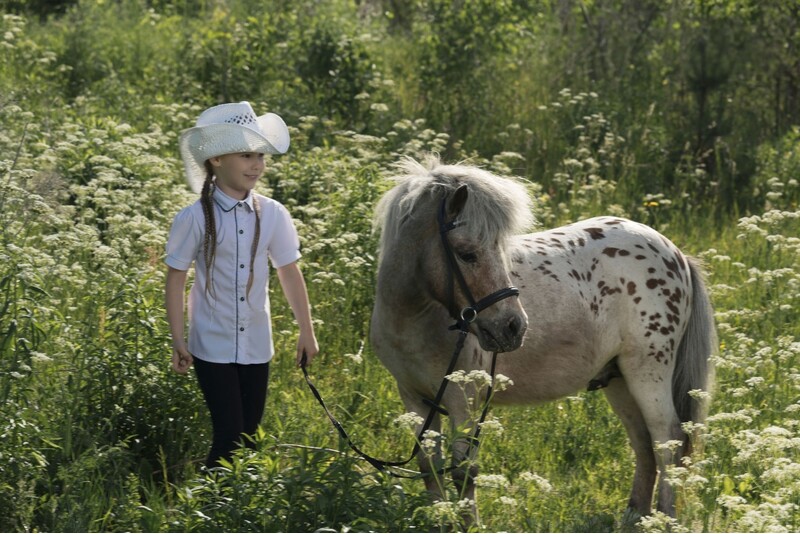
503, 335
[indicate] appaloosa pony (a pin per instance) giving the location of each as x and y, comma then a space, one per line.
603, 303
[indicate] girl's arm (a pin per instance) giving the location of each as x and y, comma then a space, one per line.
294, 287
175, 291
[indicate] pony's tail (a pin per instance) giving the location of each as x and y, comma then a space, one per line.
693, 369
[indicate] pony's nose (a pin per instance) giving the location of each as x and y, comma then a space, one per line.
514, 326
515, 331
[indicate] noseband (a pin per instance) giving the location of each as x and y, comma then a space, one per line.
464, 319
468, 314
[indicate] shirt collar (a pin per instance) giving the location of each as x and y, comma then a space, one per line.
228, 203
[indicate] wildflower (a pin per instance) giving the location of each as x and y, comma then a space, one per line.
743, 416
477, 376
508, 501
792, 408
430, 440
465, 504
459, 377
39, 357
659, 522
731, 502
409, 420
699, 394
540, 482
784, 471
502, 382
671, 445
491, 481
492, 426
690, 427
754, 381
443, 509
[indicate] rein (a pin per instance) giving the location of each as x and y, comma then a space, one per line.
464, 319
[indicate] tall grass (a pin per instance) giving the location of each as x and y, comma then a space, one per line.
98, 434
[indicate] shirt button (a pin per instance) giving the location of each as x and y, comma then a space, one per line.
241, 265
241, 329
241, 299
239, 204
241, 231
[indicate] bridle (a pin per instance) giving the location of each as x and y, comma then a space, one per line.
464, 318
469, 313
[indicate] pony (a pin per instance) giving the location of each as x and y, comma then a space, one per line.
605, 303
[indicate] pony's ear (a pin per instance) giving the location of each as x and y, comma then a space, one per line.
457, 202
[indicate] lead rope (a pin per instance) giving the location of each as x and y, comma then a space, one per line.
435, 407
463, 320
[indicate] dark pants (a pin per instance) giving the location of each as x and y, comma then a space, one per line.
235, 395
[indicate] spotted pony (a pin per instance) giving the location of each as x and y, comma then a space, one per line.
605, 304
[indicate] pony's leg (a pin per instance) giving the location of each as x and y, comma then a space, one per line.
465, 469
654, 399
430, 464
429, 459
644, 478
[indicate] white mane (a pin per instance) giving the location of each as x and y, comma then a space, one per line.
497, 207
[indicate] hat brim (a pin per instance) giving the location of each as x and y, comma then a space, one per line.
200, 143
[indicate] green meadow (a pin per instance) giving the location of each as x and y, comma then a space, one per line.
681, 115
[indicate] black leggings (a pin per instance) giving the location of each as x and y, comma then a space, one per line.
235, 395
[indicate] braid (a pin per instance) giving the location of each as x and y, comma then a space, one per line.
210, 238
256, 237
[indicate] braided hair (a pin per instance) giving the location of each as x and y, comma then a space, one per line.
210, 237
254, 246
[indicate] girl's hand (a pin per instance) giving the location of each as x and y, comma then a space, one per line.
181, 358
306, 345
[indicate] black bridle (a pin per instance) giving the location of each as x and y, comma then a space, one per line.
464, 318
468, 314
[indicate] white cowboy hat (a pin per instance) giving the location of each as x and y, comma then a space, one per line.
229, 129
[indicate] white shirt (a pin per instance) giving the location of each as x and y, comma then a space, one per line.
225, 325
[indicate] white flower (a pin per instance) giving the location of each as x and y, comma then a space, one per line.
39, 357
493, 426
478, 377
508, 501
430, 440
671, 445
491, 481
659, 522
502, 382
409, 420
540, 482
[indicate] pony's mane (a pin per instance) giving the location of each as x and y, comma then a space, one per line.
497, 208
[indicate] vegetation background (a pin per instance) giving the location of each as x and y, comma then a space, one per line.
682, 114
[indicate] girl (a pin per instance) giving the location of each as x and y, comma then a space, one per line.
229, 234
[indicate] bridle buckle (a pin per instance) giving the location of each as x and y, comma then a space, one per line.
469, 314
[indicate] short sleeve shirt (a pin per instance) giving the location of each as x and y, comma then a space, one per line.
226, 325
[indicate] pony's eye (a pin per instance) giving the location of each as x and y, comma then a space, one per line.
468, 257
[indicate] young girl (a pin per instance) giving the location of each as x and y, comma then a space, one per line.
229, 234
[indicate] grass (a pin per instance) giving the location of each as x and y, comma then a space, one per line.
98, 434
